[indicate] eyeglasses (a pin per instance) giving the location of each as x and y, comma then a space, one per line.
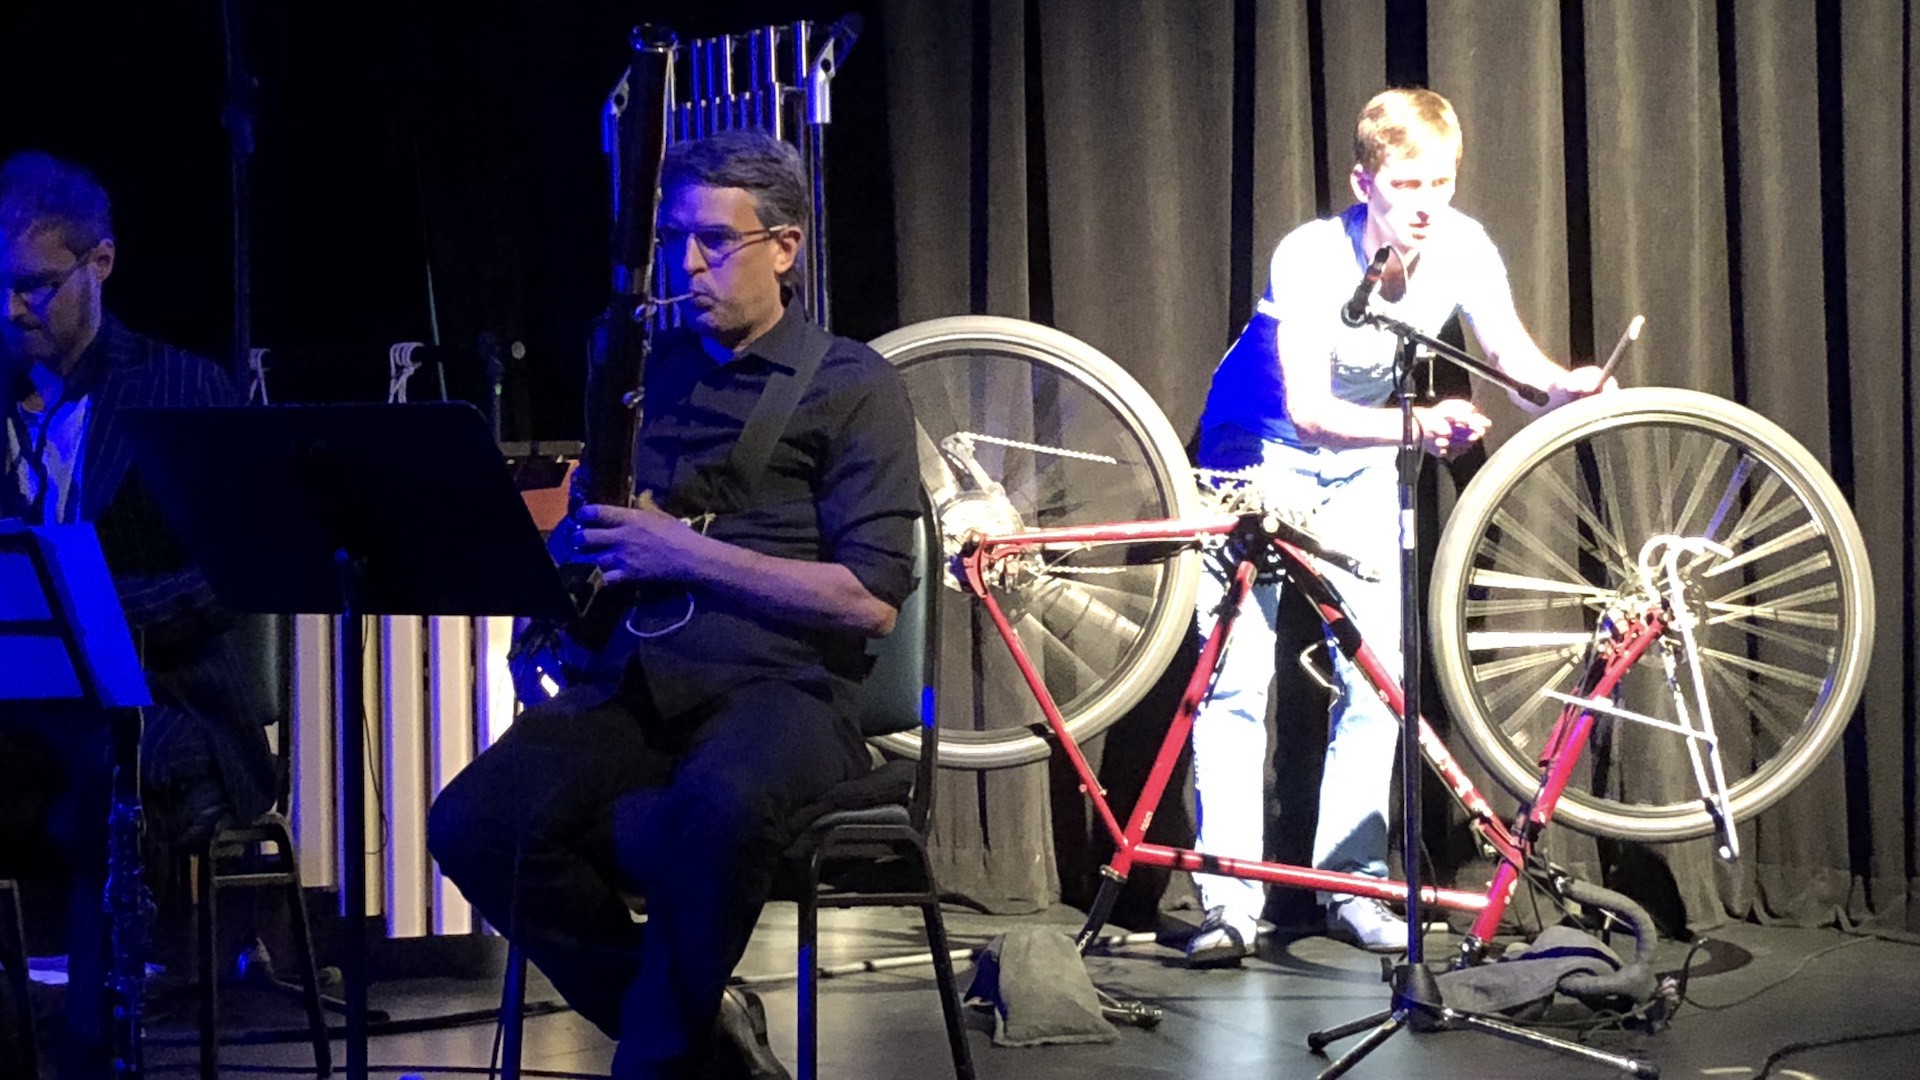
717, 243
37, 289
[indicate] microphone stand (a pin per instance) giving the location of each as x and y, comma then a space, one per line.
237, 117
1416, 1000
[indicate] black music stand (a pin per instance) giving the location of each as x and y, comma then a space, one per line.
64, 638
351, 510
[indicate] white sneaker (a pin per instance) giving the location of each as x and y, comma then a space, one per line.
1221, 941
1367, 923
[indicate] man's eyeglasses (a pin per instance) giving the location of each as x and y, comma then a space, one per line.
716, 242
37, 289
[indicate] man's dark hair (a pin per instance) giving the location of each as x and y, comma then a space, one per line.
754, 161
40, 191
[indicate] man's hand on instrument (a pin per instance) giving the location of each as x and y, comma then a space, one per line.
644, 544
1448, 428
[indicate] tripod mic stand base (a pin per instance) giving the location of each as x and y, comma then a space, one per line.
1417, 1005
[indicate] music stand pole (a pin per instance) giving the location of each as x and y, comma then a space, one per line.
1416, 1000
349, 683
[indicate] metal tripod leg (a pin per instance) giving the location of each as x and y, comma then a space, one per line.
1383, 1027
1381, 1032
1647, 1070
1417, 1005
1320, 1040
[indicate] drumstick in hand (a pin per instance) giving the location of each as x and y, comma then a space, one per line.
1620, 348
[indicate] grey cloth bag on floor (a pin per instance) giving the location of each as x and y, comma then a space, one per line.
1528, 976
1037, 985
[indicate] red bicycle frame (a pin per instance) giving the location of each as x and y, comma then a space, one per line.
1292, 554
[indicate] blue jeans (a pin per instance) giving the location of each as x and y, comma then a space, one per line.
1351, 494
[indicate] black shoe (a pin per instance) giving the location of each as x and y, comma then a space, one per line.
740, 1039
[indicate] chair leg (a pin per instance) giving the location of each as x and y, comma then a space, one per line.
513, 1013
809, 971
15, 954
209, 965
303, 947
943, 975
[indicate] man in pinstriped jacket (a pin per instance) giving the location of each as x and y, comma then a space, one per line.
68, 371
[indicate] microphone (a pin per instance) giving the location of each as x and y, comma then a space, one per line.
1355, 312
646, 308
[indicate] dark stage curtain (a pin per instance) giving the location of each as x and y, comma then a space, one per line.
1740, 173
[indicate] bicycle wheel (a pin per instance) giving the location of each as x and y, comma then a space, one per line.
1550, 533
1022, 426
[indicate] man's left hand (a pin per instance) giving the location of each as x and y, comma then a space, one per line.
639, 545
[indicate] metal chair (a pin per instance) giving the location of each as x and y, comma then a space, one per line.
881, 818
13, 957
257, 854
899, 697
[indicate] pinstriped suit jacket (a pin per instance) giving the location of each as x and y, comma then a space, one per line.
192, 668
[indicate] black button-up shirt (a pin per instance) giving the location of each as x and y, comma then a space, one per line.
840, 485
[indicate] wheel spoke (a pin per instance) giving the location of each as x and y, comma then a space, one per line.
1048, 650
1485, 640
1511, 528
1731, 496
1512, 665
1762, 704
1526, 692
1497, 579
1784, 610
1662, 454
1761, 509
1131, 605
1798, 679
1809, 531
1761, 521
1817, 648
1525, 724
1812, 564
1601, 530
1479, 611
1070, 609
1610, 489
1715, 457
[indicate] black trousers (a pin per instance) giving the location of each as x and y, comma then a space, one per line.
578, 804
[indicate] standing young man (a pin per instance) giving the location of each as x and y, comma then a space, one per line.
1302, 400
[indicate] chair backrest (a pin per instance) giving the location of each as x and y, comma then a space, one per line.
898, 694
260, 647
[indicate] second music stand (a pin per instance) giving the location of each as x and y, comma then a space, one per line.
351, 510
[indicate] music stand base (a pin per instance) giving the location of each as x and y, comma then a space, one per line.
1417, 1005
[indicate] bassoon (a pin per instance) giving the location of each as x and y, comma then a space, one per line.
618, 361
547, 656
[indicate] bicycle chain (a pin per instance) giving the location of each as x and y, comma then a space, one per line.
1037, 448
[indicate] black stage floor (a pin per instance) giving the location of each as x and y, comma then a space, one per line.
1761, 990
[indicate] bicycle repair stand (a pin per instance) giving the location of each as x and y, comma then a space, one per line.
1417, 1003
